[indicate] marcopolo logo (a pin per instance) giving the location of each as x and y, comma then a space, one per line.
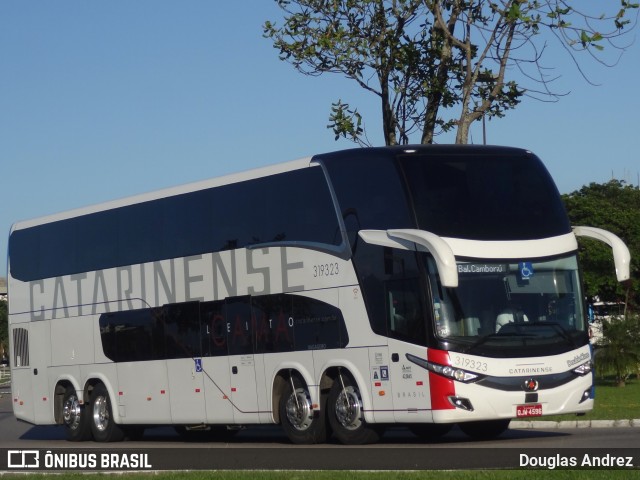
23, 459
578, 359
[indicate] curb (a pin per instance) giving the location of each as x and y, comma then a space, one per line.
542, 424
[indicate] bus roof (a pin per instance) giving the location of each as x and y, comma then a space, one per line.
167, 192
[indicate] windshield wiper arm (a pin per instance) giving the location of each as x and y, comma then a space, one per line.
559, 328
486, 338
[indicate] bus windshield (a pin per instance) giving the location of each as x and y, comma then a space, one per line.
511, 308
484, 197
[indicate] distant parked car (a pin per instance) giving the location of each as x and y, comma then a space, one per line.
4, 362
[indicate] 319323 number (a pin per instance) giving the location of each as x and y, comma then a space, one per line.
326, 269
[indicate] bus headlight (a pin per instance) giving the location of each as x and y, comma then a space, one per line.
445, 370
583, 369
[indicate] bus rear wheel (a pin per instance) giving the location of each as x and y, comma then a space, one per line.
74, 417
103, 428
300, 422
346, 414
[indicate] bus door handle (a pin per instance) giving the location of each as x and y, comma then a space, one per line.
234, 370
395, 357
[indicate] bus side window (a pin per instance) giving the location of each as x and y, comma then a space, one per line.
239, 325
405, 317
273, 329
214, 329
182, 329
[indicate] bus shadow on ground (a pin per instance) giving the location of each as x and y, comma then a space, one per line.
274, 436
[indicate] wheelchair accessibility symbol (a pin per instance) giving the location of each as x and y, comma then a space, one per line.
198, 364
526, 270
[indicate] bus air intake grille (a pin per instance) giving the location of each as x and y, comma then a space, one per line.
514, 384
20, 347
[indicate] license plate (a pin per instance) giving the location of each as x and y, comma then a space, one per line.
533, 410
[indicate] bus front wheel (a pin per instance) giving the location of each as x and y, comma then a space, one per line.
103, 428
300, 422
346, 414
74, 417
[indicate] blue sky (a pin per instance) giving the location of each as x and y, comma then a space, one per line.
100, 100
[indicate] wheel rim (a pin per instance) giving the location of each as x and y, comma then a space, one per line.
299, 410
101, 413
348, 408
71, 412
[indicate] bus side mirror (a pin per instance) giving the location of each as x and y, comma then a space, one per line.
409, 238
621, 255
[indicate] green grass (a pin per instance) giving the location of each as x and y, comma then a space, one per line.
611, 403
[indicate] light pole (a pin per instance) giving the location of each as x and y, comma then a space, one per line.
484, 131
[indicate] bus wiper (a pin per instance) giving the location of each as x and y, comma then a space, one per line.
516, 330
486, 338
558, 328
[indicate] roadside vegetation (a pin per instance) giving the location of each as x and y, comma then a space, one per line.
617, 353
613, 206
611, 403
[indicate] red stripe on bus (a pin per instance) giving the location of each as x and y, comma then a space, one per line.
440, 387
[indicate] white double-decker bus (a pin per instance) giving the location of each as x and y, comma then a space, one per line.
427, 286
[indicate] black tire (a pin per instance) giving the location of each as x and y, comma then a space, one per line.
485, 429
346, 414
75, 417
300, 422
430, 431
103, 428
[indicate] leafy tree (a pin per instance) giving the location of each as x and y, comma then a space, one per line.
614, 206
618, 351
436, 65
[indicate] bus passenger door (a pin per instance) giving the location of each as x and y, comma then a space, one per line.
242, 361
406, 328
182, 340
411, 399
215, 363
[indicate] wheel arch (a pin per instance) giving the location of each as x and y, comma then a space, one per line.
63, 384
331, 374
96, 379
280, 381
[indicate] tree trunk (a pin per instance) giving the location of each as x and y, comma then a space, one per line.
388, 118
462, 135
